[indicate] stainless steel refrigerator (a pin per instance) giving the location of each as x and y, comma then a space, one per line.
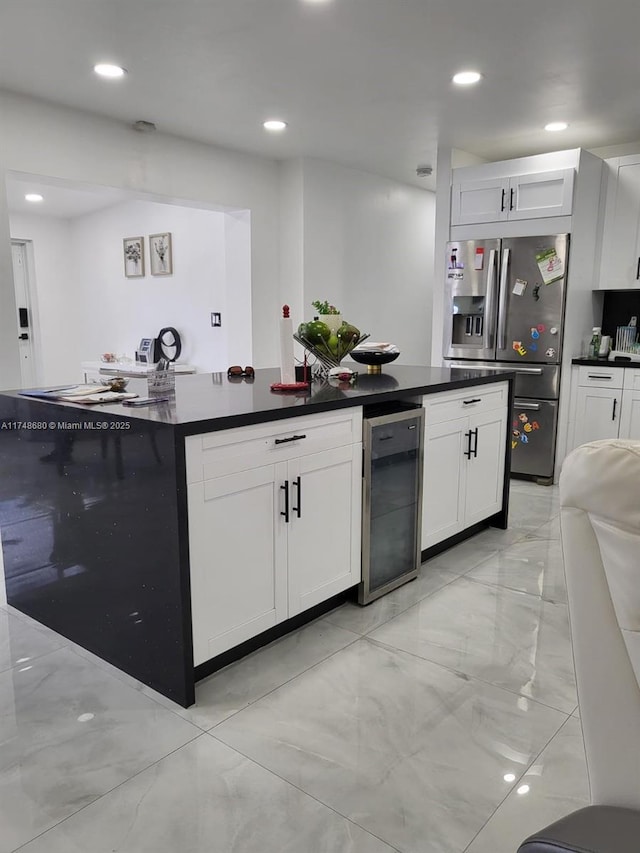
504, 309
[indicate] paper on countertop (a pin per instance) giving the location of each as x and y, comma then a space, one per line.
101, 397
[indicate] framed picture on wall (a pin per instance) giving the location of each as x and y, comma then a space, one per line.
161, 254
133, 249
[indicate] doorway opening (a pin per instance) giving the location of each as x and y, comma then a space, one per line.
26, 314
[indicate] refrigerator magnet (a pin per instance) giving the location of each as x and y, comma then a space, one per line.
478, 263
519, 287
550, 353
535, 334
550, 265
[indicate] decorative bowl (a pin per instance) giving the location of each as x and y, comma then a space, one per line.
329, 361
115, 383
373, 357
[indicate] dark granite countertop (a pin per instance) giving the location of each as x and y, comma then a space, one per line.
603, 362
210, 401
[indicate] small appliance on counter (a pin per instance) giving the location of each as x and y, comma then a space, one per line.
167, 344
145, 354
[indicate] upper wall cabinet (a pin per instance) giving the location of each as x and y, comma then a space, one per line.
620, 267
518, 197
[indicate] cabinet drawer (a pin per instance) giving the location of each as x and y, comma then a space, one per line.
454, 404
600, 377
631, 379
216, 454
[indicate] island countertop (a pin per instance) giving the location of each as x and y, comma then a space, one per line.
211, 401
94, 507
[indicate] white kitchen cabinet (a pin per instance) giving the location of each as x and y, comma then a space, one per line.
532, 196
237, 553
597, 414
630, 412
323, 556
620, 264
606, 403
485, 467
443, 484
464, 459
274, 524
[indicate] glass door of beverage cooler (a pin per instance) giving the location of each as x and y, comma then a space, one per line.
392, 501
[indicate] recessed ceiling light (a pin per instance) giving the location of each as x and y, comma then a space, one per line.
34, 197
466, 78
274, 124
554, 126
106, 69
523, 789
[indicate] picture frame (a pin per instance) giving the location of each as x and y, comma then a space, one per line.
133, 255
161, 254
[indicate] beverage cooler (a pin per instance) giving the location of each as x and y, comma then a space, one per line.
392, 500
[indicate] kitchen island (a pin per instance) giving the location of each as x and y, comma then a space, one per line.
163, 539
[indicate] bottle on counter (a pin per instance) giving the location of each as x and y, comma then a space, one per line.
594, 345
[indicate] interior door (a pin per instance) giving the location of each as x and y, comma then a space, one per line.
531, 301
24, 315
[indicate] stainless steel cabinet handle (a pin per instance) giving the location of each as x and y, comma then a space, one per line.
290, 438
298, 487
502, 308
600, 376
489, 309
475, 443
511, 198
615, 405
504, 193
285, 488
528, 407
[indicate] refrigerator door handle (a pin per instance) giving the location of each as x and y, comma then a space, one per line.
489, 310
529, 407
502, 308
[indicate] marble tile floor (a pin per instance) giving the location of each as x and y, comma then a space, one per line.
440, 719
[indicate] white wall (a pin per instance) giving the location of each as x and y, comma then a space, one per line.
117, 311
368, 249
87, 306
42, 139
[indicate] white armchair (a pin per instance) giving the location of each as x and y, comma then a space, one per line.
600, 521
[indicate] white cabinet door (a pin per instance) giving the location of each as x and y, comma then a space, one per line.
238, 558
597, 414
485, 468
541, 194
324, 529
620, 266
443, 485
479, 201
518, 197
630, 415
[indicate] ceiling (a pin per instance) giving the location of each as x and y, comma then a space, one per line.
362, 82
